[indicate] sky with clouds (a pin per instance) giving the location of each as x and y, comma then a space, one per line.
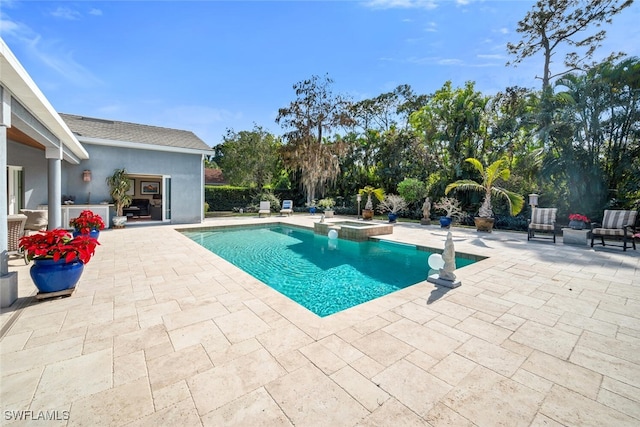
207, 66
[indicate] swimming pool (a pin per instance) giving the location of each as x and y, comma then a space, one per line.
324, 275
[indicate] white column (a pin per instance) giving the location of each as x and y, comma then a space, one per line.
4, 241
5, 122
54, 168
8, 281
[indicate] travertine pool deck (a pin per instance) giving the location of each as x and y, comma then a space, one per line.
162, 332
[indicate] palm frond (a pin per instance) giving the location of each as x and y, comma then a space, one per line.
476, 164
464, 184
514, 200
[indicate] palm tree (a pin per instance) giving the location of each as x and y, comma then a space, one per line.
497, 170
369, 191
119, 184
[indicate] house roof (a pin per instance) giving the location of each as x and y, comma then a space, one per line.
91, 128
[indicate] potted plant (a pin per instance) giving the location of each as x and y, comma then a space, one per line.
577, 221
492, 174
393, 204
58, 258
119, 186
367, 212
312, 207
87, 223
327, 205
451, 208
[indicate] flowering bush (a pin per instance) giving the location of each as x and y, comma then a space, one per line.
578, 217
58, 244
86, 222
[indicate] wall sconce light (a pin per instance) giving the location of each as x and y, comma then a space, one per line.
86, 175
533, 200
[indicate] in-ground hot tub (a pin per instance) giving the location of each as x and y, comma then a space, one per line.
353, 230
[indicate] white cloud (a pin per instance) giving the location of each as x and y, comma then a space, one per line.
450, 61
95, 12
432, 27
66, 13
490, 56
401, 4
12, 29
49, 53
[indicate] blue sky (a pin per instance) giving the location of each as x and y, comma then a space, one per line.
206, 66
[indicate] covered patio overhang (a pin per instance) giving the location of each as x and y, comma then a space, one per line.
27, 118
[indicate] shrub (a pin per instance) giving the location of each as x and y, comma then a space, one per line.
412, 190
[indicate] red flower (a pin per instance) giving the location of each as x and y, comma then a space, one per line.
578, 217
58, 244
86, 222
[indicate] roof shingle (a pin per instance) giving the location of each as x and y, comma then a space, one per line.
132, 132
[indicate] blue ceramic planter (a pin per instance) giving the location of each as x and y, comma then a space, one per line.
393, 217
445, 221
53, 276
576, 225
93, 233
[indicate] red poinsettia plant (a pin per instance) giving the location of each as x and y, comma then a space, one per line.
578, 217
58, 244
87, 221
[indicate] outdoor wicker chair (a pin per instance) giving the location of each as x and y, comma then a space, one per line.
15, 230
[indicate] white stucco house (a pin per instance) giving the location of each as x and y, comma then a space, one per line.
49, 157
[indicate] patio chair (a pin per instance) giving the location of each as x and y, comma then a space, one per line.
616, 225
287, 207
544, 220
265, 208
15, 230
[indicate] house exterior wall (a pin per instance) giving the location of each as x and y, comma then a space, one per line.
185, 170
34, 165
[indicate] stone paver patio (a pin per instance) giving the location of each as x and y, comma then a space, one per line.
162, 332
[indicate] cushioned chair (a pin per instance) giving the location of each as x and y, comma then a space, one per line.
37, 219
616, 225
265, 208
287, 207
544, 220
15, 230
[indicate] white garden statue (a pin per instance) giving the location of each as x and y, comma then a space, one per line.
449, 258
445, 276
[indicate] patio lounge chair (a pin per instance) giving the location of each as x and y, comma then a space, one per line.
15, 230
618, 225
542, 219
287, 207
265, 208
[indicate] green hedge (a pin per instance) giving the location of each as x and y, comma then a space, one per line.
226, 197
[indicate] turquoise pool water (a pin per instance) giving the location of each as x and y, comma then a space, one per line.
325, 276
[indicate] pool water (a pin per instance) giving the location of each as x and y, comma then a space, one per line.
324, 275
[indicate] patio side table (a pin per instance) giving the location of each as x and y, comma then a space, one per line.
576, 237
